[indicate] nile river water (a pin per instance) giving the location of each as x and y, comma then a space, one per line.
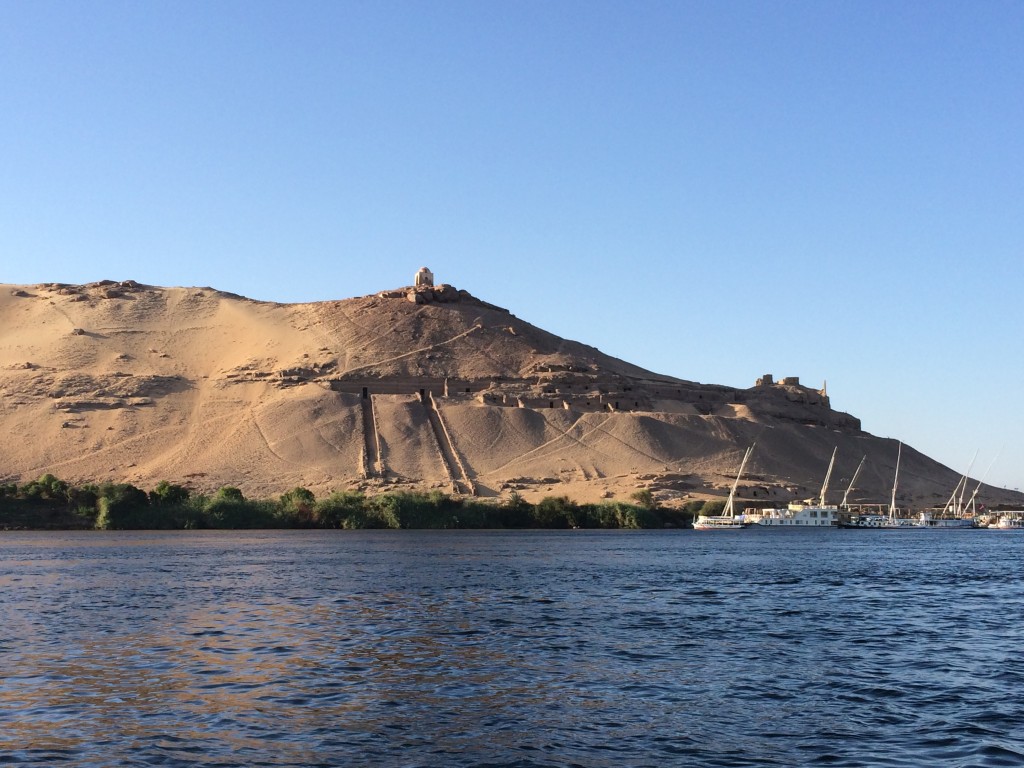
574, 648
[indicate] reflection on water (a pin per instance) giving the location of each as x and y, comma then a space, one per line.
469, 648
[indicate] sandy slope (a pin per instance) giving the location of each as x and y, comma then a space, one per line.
140, 384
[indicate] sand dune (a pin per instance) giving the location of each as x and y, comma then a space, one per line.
134, 383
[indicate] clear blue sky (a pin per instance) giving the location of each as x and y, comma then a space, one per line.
713, 190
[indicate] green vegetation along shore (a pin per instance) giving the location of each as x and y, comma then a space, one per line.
53, 504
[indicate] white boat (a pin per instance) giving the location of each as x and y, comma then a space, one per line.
799, 515
927, 520
728, 520
1008, 521
953, 514
820, 514
956, 514
880, 521
720, 523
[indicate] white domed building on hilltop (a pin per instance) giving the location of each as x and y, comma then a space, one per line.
424, 277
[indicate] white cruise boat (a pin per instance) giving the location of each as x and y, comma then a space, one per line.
927, 520
799, 515
728, 520
806, 515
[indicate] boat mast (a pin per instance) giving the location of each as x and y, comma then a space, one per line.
728, 511
824, 487
963, 490
970, 502
856, 474
952, 499
895, 480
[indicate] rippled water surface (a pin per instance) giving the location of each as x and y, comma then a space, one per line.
408, 648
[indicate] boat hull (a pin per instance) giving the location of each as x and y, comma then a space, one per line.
880, 523
723, 523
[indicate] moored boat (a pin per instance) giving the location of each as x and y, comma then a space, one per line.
720, 523
880, 522
1008, 521
954, 514
927, 520
957, 513
728, 520
818, 514
799, 515
885, 522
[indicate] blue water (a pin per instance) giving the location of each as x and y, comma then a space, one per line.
400, 648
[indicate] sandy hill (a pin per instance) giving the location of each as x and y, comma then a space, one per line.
416, 388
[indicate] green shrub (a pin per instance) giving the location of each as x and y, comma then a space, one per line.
46, 487
390, 509
228, 508
122, 506
471, 513
712, 507
644, 498
167, 493
333, 511
673, 518
555, 512
514, 512
228, 493
296, 508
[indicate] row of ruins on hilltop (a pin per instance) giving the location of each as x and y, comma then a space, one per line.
579, 387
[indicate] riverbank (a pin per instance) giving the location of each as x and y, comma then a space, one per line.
53, 504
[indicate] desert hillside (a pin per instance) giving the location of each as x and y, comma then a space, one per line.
416, 387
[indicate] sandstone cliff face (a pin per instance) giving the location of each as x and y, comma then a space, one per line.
418, 387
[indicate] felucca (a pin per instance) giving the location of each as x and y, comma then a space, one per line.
952, 515
728, 520
885, 521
